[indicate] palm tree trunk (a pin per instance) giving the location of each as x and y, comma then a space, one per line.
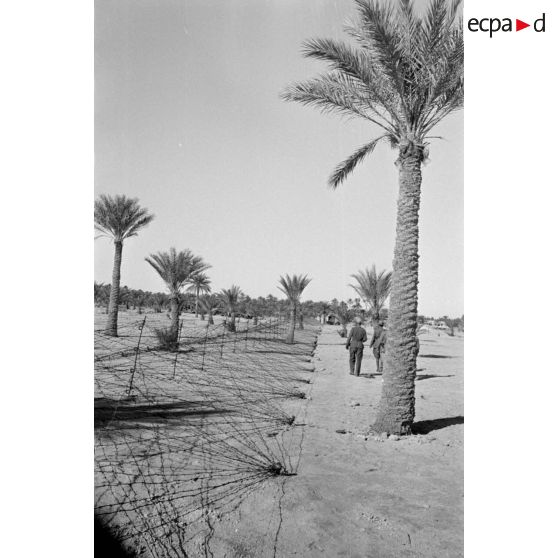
397, 403
197, 300
174, 316
210, 318
232, 323
292, 325
112, 320
300, 321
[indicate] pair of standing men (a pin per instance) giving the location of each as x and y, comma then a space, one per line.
355, 343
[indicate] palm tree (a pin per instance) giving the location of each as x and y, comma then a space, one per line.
200, 283
99, 293
323, 309
373, 288
176, 269
293, 288
209, 304
404, 75
344, 315
158, 300
119, 218
230, 300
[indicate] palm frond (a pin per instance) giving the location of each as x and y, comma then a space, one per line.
405, 73
373, 287
120, 217
176, 268
293, 286
343, 170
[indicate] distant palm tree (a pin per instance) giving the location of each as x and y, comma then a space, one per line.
405, 75
199, 283
293, 288
158, 300
99, 293
344, 315
176, 269
209, 304
373, 288
231, 299
323, 308
119, 218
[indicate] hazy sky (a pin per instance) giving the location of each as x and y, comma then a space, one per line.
188, 119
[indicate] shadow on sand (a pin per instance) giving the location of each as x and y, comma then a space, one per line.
107, 544
108, 410
426, 426
428, 376
435, 356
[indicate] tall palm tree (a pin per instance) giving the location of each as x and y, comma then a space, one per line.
293, 288
231, 299
119, 218
200, 283
373, 288
176, 269
404, 76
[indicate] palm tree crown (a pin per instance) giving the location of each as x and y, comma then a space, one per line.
231, 298
199, 283
120, 217
373, 288
293, 286
404, 76
177, 269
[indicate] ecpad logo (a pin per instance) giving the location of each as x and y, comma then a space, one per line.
493, 25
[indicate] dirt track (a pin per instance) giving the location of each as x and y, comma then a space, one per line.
356, 495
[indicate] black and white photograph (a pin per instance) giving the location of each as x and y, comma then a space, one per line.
285, 209
276, 374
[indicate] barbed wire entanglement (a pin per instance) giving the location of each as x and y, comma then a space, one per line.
181, 437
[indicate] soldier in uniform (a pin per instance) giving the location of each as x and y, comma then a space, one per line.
378, 345
355, 342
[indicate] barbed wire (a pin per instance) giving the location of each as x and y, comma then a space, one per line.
181, 437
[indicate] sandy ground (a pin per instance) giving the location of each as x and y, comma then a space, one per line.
358, 495
353, 494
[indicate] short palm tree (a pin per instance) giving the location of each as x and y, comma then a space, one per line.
119, 218
209, 304
230, 300
200, 283
373, 288
293, 288
323, 309
176, 269
404, 76
344, 315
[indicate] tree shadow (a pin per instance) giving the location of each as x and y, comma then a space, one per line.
426, 426
111, 410
428, 376
435, 356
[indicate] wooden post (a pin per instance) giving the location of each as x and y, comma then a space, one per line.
136, 357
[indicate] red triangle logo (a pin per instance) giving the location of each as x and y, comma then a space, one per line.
519, 25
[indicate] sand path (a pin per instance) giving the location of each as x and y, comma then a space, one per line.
362, 496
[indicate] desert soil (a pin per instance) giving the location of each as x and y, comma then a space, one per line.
355, 494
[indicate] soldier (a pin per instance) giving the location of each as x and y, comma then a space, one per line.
378, 345
355, 340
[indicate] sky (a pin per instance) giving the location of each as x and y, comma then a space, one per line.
189, 120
